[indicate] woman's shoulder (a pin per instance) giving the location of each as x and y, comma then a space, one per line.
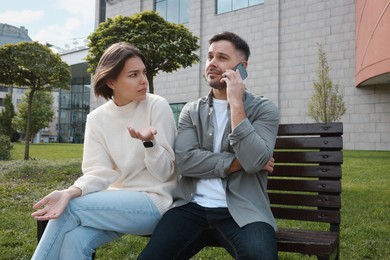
154, 100
100, 110
155, 97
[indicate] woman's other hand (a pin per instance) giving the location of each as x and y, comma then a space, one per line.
54, 204
146, 134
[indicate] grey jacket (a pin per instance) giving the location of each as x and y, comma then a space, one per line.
252, 142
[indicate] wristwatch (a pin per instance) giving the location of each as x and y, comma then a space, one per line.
148, 144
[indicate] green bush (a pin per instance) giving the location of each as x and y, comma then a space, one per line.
5, 147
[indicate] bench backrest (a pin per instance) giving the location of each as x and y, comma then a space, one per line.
306, 182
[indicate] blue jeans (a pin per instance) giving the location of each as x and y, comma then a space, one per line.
185, 230
94, 220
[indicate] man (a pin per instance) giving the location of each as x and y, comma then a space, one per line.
223, 141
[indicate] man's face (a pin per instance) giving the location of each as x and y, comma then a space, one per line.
221, 56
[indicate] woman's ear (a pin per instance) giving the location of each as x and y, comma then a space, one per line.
110, 84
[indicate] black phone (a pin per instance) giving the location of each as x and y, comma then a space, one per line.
241, 69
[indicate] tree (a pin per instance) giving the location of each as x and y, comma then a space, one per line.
32, 65
326, 104
167, 46
6, 116
42, 114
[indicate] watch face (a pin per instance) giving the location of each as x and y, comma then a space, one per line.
148, 144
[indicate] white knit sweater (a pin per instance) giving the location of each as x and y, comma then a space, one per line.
114, 160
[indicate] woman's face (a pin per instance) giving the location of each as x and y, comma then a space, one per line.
131, 84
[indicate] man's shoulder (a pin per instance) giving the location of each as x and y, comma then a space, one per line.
260, 103
196, 103
254, 98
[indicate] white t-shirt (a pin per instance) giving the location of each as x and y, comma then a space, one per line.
210, 192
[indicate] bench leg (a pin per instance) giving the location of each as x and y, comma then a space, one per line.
41, 225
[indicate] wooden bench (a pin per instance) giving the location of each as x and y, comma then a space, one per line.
305, 188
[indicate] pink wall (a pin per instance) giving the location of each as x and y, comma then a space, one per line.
372, 39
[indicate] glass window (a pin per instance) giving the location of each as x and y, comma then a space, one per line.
173, 11
176, 109
176, 11
102, 11
184, 11
224, 6
161, 8
238, 4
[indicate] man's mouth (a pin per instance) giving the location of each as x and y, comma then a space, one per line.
213, 73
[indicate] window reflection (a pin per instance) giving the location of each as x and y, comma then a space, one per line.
176, 11
224, 6
73, 110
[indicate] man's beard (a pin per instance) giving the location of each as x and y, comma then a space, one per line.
217, 84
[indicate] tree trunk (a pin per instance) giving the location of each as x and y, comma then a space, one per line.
150, 80
28, 121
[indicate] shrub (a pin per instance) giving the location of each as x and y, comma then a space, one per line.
5, 147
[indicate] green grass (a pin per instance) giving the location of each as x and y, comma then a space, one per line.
49, 151
365, 224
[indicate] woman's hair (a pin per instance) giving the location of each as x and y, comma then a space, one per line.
238, 43
111, 64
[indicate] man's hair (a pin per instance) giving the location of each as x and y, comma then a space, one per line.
236, 40
111, 64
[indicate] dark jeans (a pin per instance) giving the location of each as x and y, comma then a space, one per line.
185, 230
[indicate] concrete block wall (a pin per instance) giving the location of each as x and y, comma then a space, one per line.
284, 37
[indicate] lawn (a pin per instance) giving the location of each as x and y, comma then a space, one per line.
365, 224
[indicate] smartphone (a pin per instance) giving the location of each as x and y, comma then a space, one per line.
241, 69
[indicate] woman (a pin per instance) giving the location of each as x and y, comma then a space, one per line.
128, 165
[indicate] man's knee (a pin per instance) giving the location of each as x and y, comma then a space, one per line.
257, 249
259, 243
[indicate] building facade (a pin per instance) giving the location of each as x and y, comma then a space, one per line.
74, 104
70, 106
284, 37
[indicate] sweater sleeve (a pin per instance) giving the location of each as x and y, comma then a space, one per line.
98, 168
160, 159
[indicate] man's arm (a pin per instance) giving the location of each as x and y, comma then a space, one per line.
192, 159
253, 139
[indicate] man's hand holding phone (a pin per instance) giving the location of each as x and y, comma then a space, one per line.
242, 70
235, 89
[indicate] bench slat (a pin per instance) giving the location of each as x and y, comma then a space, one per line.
324, 157
309, 143
305, 200
326, 216
307, 241
328, 171
304, 185
312, 129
